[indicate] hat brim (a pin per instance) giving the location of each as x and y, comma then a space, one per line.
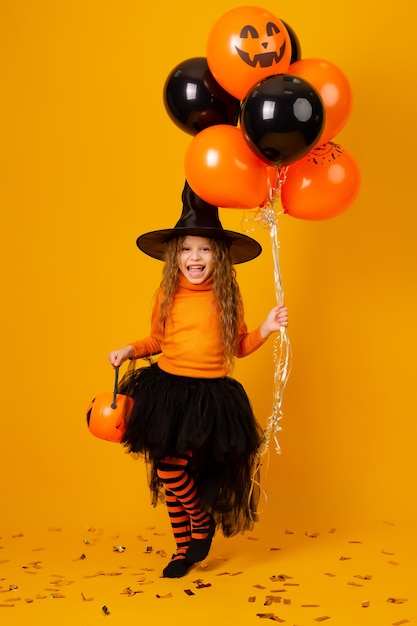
242, 247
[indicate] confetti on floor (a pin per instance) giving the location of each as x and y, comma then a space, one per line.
67, 576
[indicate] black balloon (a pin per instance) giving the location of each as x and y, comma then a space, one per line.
295, 43
282, 118
194, 100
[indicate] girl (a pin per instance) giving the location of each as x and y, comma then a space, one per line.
192, 421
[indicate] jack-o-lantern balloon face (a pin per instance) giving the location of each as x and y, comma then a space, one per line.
272, 43
246, 45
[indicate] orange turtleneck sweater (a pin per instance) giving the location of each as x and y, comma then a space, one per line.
191, 344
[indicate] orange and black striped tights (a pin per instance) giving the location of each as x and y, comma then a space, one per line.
192, 527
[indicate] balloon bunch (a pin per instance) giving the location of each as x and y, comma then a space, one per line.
253, 106
263, 121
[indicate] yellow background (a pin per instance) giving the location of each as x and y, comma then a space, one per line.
90, 159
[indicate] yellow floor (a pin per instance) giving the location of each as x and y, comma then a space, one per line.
82, 576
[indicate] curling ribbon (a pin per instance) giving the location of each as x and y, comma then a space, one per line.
268, 216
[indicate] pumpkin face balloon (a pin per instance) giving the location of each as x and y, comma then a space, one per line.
246, 45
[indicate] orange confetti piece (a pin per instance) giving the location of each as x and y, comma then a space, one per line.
130, 592
271, 599
401, 622
365, 604
280, 577
397, 600
201, 585
85, 599
167, 595
161, 553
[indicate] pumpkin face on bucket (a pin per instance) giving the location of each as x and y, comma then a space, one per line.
107, 414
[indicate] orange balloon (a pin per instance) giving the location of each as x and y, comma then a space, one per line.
106, 418
321, 185
334, 88
246, 45
222, 169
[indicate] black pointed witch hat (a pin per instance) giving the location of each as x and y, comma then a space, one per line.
201, 219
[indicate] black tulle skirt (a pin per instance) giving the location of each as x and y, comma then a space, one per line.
209, 419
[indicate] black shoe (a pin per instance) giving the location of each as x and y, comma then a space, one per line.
199, 548
177, 567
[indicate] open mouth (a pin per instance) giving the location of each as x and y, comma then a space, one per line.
196, 271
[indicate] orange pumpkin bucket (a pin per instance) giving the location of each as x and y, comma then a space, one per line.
107, 412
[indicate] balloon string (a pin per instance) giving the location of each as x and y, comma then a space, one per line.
282, 353
116, 382
266, 216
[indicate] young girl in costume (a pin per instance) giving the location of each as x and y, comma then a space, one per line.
193, 422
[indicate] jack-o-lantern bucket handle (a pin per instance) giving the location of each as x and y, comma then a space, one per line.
115, 390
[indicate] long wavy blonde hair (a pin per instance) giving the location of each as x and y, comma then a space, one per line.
226, 291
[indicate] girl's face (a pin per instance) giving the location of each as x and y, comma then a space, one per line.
195, 259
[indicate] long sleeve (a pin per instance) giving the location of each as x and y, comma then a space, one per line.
248, 342
151, 344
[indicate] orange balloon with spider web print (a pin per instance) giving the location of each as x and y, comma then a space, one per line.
321, 185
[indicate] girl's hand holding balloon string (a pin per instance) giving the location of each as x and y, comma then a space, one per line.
276, 319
